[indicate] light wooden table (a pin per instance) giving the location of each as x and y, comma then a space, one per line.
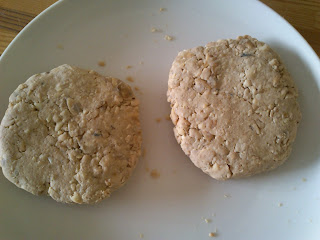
304, 15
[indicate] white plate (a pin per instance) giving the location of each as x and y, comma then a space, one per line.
174, 205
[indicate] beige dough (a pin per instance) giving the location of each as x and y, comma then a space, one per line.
71, 134
234, 107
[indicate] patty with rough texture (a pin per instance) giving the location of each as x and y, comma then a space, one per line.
71, 134
234, 107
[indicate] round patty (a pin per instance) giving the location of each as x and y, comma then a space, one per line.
234, 107
71, 134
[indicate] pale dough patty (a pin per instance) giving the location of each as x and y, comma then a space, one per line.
71, 134
234, 107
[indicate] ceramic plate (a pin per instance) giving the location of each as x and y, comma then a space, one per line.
282, 204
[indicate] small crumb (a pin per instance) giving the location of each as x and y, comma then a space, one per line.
304, 179
168, 38
213, 214
137, 89
280, 204
294, 188
154, 173
207, 220
227, 196
141, 235
128, 67
60, 46
154, 30
141, 62
101, 63
143, 152
174, 171
158, 120
168, 117
310, 220
130, 79
212, 234
147, 169
162, 9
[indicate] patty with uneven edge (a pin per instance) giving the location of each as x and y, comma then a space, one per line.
234, 107
71, 134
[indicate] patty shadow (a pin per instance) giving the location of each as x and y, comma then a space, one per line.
306, 148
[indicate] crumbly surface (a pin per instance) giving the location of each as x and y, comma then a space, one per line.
71, 134
234, 107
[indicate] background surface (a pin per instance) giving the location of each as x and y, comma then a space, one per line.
282, 204
303, 15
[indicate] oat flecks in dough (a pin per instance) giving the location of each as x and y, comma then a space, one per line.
72, 134
234, 107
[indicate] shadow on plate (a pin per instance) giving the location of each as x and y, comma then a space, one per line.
306, 148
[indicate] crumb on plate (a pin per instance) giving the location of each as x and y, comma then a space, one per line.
130, 79
207, 220
143, 152
154, 173
168, 38
101, 63
60, 46
154, 30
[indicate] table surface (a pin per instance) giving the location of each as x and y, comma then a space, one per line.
304, 15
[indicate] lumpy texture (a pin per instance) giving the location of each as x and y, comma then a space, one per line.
234, 107
71, 134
